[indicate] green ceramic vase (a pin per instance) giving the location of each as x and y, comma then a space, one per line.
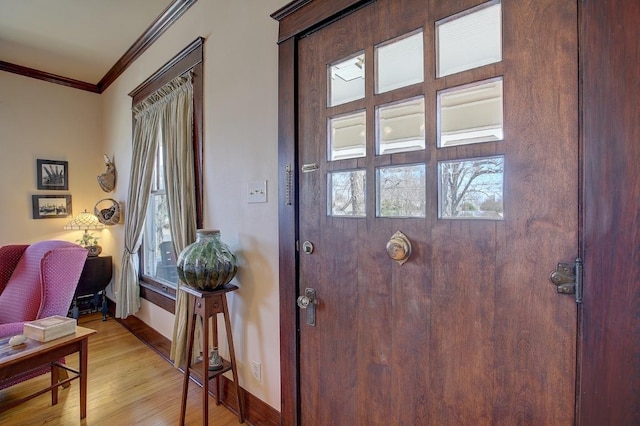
208, 263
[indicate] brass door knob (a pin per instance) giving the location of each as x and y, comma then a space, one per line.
309, 302
399, 247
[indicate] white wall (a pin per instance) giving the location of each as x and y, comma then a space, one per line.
240, 146
40, 120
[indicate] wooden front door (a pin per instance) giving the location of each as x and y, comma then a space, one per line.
466, 329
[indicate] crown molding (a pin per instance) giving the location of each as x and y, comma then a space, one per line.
45, 76
159, 26
164, 21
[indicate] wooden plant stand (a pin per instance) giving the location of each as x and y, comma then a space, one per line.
207, 304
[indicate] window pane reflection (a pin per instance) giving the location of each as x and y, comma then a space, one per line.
470, 39
399, 62
401, 191
347, 136
347, 193
471, 189
470, 114
346, 80
400, 126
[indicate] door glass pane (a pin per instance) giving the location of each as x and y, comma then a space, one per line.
470, 114
347, 136
400, 126
471, 189
346, 80
401, 191
347, 191
399, 62
470, 39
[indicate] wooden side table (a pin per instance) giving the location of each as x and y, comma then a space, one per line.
206, 305
21, 359
95, 277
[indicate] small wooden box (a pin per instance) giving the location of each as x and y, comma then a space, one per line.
46, 329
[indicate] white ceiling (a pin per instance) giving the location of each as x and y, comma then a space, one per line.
78, 39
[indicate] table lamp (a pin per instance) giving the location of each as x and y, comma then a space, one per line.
87, 221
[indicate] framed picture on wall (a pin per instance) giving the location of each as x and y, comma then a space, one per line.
51, 206
53, 174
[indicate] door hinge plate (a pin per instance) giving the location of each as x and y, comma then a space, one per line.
568, 278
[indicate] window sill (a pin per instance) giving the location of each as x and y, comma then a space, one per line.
160, 295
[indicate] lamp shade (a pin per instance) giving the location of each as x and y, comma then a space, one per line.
84, 221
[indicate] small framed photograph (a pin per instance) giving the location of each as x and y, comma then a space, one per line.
51, 206
53, 174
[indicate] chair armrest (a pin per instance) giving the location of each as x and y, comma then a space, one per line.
11, 329
9, 257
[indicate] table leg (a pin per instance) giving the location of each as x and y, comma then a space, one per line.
232, 355
55, 378
187, 364
205, 371
214, 339
84, 351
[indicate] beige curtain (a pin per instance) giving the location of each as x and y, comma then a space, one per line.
160, 118
177, 142
145, 143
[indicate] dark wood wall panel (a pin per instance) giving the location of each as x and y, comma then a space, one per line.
610, 58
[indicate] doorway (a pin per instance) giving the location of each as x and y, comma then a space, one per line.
432, 302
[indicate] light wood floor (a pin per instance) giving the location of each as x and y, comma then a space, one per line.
129, 384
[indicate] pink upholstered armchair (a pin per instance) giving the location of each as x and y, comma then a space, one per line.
37, 281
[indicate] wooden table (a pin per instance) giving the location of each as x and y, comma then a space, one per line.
33, 354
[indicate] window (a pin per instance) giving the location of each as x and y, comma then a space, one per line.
159, 261
470, 39
157, 269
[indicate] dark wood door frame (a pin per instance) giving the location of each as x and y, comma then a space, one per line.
609, 385
608, 388
294, 22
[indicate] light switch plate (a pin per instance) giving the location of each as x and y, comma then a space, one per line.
257, 192
256, 370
